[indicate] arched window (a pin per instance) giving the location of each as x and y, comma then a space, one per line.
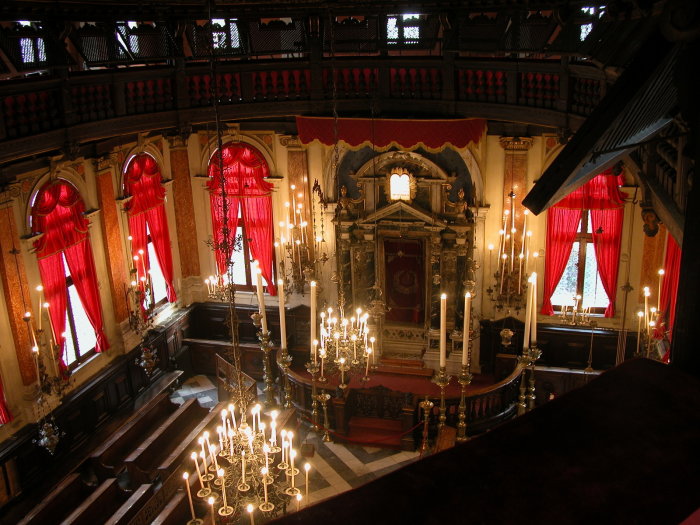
148, 226
67, 270
249, 213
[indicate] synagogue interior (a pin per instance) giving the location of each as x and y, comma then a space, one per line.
349, 261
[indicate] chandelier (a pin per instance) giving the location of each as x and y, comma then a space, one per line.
250, 468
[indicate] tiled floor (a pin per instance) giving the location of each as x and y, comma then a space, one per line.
335, 468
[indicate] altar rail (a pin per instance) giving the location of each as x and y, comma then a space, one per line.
39, 113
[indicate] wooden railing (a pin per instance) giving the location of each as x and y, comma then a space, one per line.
168, 95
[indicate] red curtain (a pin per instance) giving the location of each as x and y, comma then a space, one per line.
142, 181
562, 225
603, 197
5, 414
669, 285
58, 214
245, 170
82, 269
607, 250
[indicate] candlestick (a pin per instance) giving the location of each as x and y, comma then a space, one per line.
283, 316
443, 330
225, 510
261, 297
312, 286
266, 506
466, 326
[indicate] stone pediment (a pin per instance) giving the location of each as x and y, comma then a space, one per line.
401, 212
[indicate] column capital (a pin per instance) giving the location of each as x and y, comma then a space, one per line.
516, 144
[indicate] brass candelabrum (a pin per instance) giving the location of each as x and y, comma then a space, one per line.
266, 347
464, 379
442, 380
323, 398
284, 361
526, 398
426, 405
313, 369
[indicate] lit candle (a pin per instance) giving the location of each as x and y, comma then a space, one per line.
443, 330
232, 411
342, 370
465, 329
211, 508
292, 455
243, 467
533, 334
196, 466
369, 352
314, 347
264, 471
186, 477
312, 287
658, 299
220, 472
261, 298
283, 317
298, 501
212, 454
640, 314
307, 467
528, 316
503, 271
41, 301
230, 442
202, 454
250, 510
647, 293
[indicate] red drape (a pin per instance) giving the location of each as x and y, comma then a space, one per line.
82, 269
603, 197
142, 180
384, 133
562, 225
5, 414
669, 285
58, 214
607, 250
244, 170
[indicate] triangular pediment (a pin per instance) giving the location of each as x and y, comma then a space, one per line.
402, 212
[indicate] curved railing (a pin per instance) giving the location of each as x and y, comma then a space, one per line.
485, 407
42, 114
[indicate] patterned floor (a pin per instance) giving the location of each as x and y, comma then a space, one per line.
335, 468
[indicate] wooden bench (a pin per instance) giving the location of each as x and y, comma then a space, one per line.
175, 512
143, 462
60, 502
108, 459
108, 503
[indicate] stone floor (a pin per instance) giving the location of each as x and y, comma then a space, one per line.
335, 468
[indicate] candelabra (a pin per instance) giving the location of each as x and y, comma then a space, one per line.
526, 398
578, 315
304, 251
141, 307
345, 346
426, 405
266, 347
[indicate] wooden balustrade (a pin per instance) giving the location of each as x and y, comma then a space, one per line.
31, 107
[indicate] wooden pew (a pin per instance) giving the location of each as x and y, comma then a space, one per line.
175, 512
108, 503
60, 502
108, 459
143, 462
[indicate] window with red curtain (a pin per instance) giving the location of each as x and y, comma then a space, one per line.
148, 225
593, 214
248, 226
669, 286
67, 270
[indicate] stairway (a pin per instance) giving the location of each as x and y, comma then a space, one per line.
375, 432
396, 365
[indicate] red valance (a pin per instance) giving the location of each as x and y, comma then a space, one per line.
142, 180
602, 192
57, 212
385, 133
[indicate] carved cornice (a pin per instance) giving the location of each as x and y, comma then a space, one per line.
291, 141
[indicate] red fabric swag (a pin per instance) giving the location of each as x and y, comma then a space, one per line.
406, 134
5, 414
669, 285
562, 225
245, 170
